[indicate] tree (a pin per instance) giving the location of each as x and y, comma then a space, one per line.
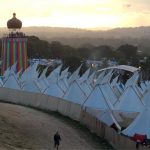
72, 62
38, 48
129, 51
101, 52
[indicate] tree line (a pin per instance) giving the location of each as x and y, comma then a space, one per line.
124, 54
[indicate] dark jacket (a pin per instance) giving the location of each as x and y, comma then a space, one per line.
57, 138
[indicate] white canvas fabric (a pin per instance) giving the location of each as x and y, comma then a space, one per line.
42, 81
1, 82
85, 88
54, 75
143, 86
96, 100
82, 82
84, 77
97, 105
12, 83
25, 75
90, 81
75, 94
114, 86
108, 118
120, 87
107, 78
43, 75
42, 85
63, 80
74, 76
114, 81
30, 73
146, 98
54, 90
109, 94
140, 125
31, 86
129, 102
133, 80
138, 91
64, 74
100, 78
122, 67
6, 74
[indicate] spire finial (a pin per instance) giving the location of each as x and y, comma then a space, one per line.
14, 15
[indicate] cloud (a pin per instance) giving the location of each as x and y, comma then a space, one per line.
127, 5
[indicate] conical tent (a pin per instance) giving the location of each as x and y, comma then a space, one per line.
98, 107
63, 85
62, 80
85, 88
82, 82
12, 83
54, 90
107, 91
130, 102
30, 73
115, 88
74, 76
43, 75
41, 84
147, 82
54, 75
42, 81
138, 90
84, 77
30, 86
120, 86
1, 82
109, 94
107, 77
146, 98
15, 74
6, 74
33, 72
24, 76
100, 78
14, 67
108, 118
90, 81
143, 87
114, 81
140, 125
75, 94
64, 73
96, 100
132, 80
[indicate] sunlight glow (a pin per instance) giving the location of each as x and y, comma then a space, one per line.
77, 13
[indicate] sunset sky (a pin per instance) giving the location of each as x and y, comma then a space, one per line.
77, 13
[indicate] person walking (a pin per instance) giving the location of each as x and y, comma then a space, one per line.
57, 140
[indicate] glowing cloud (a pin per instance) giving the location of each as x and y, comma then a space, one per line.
77, 13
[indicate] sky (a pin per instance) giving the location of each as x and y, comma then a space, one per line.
101, 14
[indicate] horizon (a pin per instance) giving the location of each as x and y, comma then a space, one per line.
88, 29
84, 14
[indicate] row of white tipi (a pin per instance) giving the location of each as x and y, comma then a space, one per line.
106, 98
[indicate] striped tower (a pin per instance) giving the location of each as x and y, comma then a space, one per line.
14, 47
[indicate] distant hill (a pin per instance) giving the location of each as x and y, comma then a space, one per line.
139, 36
53, 32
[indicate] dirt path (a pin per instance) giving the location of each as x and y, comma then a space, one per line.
23, 128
